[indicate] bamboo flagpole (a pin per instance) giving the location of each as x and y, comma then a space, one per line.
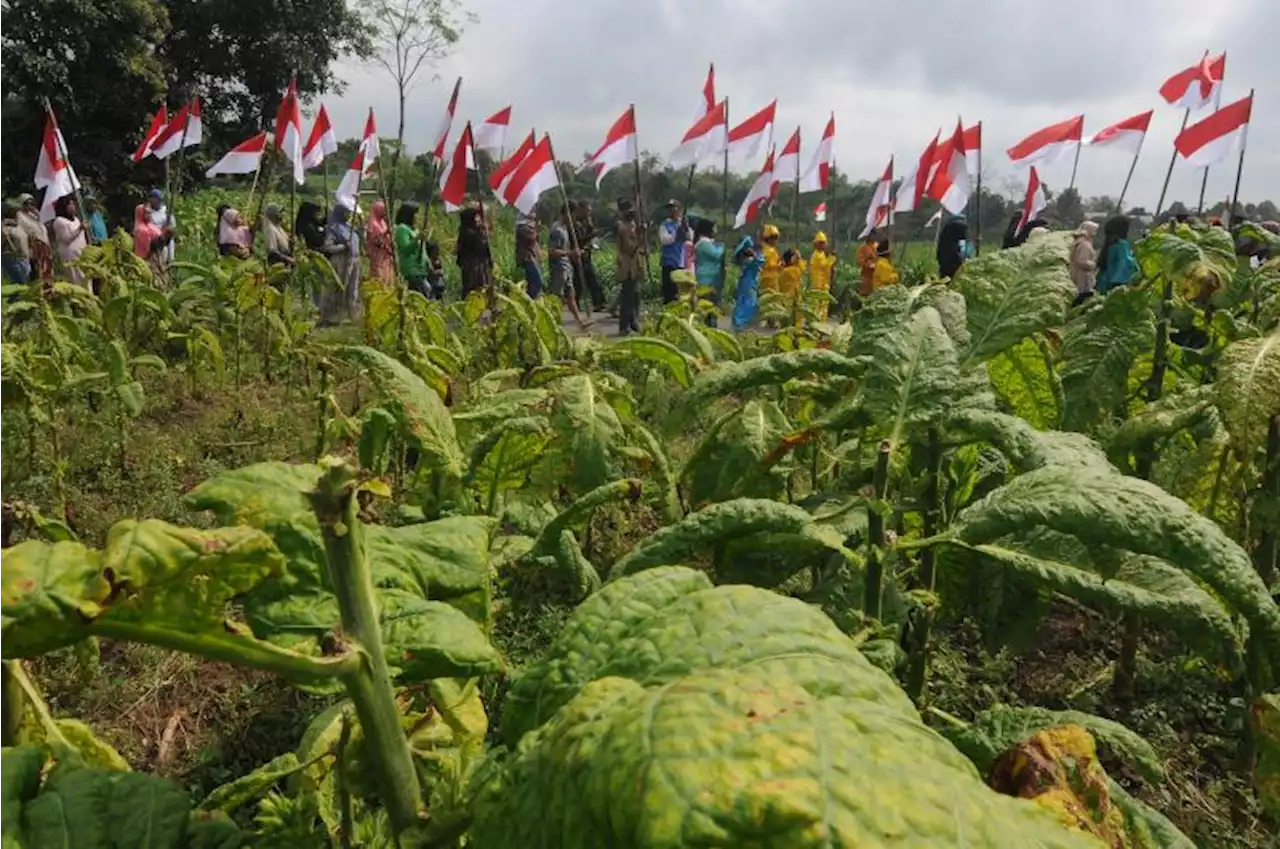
724, 178
1075, 164
1186, 116
648, 273
1204, 179
795, 206
65, 157
1235, 193
572, 298
831, 210
977, 198
1128, 177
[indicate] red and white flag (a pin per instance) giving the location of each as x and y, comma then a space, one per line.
492, 134
1049, 144
502, 174
369, 141
244, 158
787, 166
1126, 135
707, 137
535, 175
54, 173
916, 181
1218, 136
747, 138
881, 210
950, 184
820, 212
972, 147
158, 123
446, 123
619, 146
453, 177
1196, 87
321, 143
818, 175
348, 191
762, 191
289, 131
707, 101
1035, 202
184, 130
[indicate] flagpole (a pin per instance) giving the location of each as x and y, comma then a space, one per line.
182, 156
1132, 165
1074, 165
977, 204
724, 179
795, 206
65, 157
326, 183
648, 273
573, 236
1167, 174
1235, 194
831, 209
1204, 182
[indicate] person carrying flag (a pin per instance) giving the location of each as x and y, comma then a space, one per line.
865, 259
673, 234
770, 274
529, 253
822, 266
630, 249
585, 230
749, 263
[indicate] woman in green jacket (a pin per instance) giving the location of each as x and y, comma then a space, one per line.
419, 256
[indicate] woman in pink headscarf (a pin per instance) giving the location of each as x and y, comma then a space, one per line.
379, 244
149, 242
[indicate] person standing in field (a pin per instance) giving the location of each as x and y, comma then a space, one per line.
708, 264
378, 244
234, 236
16, 253
308, 225
279, 247
630, 255
529, 253
342, 247
149, 242
822, 269
673, 233
791, 280
749, 263
411, 250
1084, 261
163, 219
563, 256
885, 274
953, 244
865, 259
1116, 264
37, 238
770, 274
96, 221
475, 262
585, 230
70, 237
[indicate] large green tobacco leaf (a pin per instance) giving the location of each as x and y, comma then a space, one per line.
913, 376
1160, 419
1264, 718
497, 407
731, 378
1098, 352
882, 314
19, 783
1026, 447
586, 429
503, 459
1010, 295
658, 352
419, 409
729, 462
235, 794
1248, 390
1024, 380
1184, 253
48, 591
424, 640
96, 809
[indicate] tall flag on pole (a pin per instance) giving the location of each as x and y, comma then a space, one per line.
502, 174
369, 141
820, 212
322, 142
1126, 135
348, 191
289, 131
1218, 136
244, 158
950, 184
707, 137
1195, 87
54, 173
535, 174
453, 177
747, 138
1035, 201
707, 101
185, 130
446, 123
817, 177
972, 144
787, 165
881, 210
158, 123
492, 134
915, 181
619, 146
1048, 145
762, 191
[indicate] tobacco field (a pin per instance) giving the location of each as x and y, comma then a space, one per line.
970, 567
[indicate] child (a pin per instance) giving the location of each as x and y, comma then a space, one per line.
791, 279
821, 270
885, 273
749, 264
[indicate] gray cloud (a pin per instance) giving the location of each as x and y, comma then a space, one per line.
893, 73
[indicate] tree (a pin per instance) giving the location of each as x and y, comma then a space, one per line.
408, 35
1067, 209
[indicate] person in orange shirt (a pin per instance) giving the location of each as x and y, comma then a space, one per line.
822, 266
790, 279
885, 274
866, 261
769, 275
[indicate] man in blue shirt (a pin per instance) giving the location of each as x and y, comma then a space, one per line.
673, 235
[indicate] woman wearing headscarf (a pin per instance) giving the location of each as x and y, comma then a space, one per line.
865, 259
1010, 239
1116, 263
472, 252
308, 225
411, 250
163, 219
279, 247
822, 266
708, 262
16, 252
96, 220
37, 238
1084, 261
772, 269
952, 246
748, 298
342, 247
379, 245
885, 273
234, 236
70, 237
149, 242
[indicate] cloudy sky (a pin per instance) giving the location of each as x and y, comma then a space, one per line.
892, 72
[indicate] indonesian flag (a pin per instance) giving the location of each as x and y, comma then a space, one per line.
446, 123
761, 193
619, 146
1035, 202
53, 172
348, 191
707, 137
244, 158
950, 184
158, 122
321, 142
747, 138
492, 134
707, 102
501, 175
289, 131
369, 141
972, 146
1195, 87
788, 165
535, 175
1218, 136
1126, 135
818, 176
453, 177
1049, 144
184, 130
820, 212
912, 190
881, 210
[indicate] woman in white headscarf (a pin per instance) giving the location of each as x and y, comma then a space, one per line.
1084, 261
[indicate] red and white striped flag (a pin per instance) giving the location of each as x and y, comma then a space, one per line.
348, 191
54, 173
916, 181
1035, 201
446, 123
881, 210
818, 176
747, 138
492, 134
244, 158
185, 130
950, 184
369, 141
1196, 87
1218, 136
535, 174
707, 101
972, 147
502, 174
762, 191
322, 142
787, 167
820, 212
453, 177
1049, 144
619, 146
158, 123
1127, 135
289, 131
707, 137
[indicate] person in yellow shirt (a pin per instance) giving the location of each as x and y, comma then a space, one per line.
885, 274
790, 280
821, 270
772, 259
866, 262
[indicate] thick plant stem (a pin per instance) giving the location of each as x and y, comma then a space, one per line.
875, 534
323, 396
336, 507
14, 703
1264, 560
918, 671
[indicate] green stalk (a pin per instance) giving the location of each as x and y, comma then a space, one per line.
13, 700
324, 395
918, 671
1264, 560
627, 488
370, 689
875, 533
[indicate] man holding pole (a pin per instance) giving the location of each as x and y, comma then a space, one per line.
673, 235
630, 249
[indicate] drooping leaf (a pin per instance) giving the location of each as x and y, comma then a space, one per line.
246, 788
1026, 447
376, 427
1098, 352
659, 352
497, 407
1024, 381
728, 462
20, 768
730, 378
1248, 390
586, 429
503, 459
113, 810
576, 514
430, 639
913, 376
49, 590
1160, 419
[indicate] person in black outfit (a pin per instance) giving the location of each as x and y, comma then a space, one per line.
585, 271
308, 225
952, 242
